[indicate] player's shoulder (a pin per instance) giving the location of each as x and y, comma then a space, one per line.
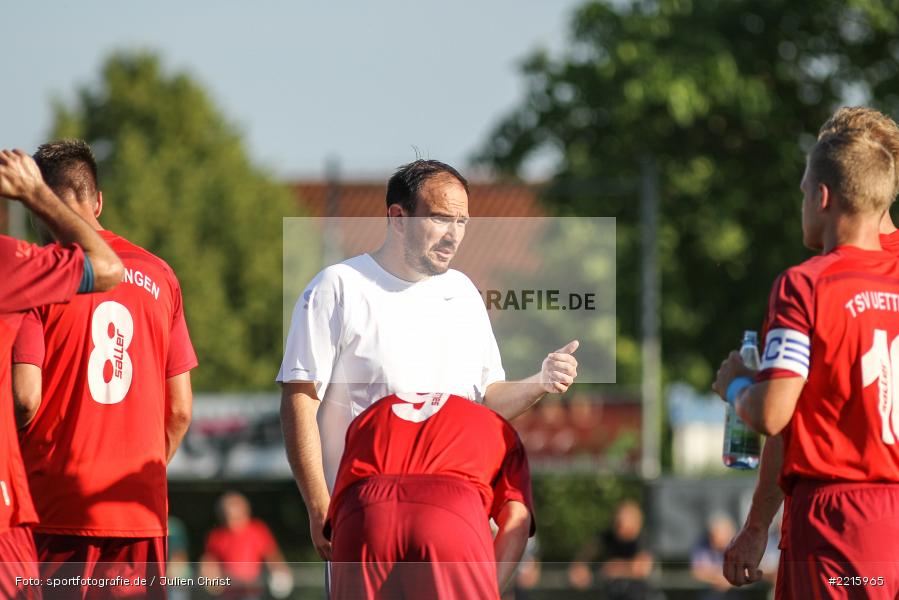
842, 262
458, 277
814, 268
132, 253
890, 242
804, 276
459, 281
339, 275
357, 267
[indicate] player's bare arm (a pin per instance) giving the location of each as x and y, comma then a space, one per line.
745, 551
766, 406
20, 179
299, 406
178, 405
26, 391
557, 373
514, 522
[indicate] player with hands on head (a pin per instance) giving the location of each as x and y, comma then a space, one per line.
20, 179
103, 398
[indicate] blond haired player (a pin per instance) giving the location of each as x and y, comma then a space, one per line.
825, 382
742, 558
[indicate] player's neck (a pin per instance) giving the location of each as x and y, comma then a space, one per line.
391, 259
861, 231
86, 212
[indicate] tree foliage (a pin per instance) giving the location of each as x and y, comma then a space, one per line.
724, 96
177, 181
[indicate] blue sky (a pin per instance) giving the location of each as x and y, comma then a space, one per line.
363, 81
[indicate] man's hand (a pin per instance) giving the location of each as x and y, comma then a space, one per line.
743, 555
316, 530
559, 369
19, 176
299, 407
731, 368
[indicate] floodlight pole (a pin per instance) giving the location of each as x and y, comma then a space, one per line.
651, 385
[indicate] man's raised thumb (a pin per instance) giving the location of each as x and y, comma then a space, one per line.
569, 348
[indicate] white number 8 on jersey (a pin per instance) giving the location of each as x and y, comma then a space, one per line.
109, 370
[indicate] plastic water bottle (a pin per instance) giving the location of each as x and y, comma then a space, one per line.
742, 445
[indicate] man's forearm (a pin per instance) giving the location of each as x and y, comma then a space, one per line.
512, 398
178, 410
175, 430
514, 524
304, 451
69, 228
768, 496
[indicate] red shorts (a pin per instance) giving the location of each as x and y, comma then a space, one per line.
412, 536
19, 576
75, 566
842, 541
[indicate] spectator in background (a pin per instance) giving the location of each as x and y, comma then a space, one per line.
238, 548
625, 562
178, 565
707, 559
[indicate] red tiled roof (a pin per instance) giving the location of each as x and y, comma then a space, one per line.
366, 199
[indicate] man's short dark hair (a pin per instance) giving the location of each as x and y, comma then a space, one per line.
68, 165
405, 184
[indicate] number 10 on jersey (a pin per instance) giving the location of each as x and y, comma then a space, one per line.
109, 369
881, 364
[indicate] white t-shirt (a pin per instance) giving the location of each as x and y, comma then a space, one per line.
361, 333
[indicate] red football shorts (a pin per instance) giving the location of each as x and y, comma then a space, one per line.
842, 541
89, 568
412, 536
19, 576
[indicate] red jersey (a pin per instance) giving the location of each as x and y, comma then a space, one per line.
29, 276
95, 451
437, 434
834, 320
890, 242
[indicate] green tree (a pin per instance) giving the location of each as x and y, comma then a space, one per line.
177, 181
724, 96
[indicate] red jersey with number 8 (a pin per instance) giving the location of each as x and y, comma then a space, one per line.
95, 452
834, 320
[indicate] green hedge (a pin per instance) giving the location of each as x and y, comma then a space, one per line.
572, 507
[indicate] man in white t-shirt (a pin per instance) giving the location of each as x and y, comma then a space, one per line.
396, 320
